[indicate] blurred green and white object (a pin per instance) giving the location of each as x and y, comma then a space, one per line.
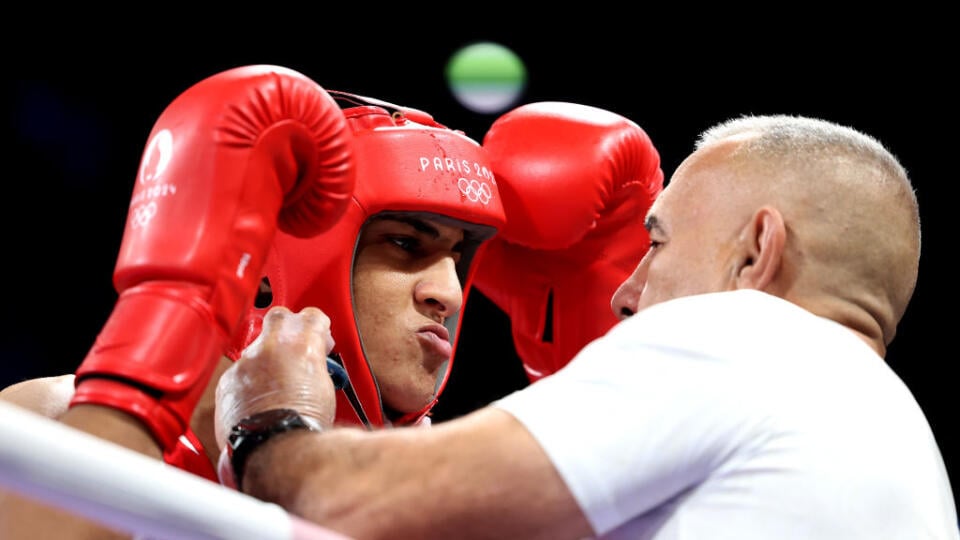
486, 77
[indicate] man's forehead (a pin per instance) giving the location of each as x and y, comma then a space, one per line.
686, 192
710, 167
660, 212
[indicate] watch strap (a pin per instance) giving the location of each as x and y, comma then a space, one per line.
251, 432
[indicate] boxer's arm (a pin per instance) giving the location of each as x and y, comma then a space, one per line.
207, 168
25, 518
48, 396
202, 421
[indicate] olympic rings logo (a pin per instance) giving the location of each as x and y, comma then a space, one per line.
143, 214
475, 191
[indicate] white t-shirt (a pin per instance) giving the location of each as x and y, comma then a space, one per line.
738, 415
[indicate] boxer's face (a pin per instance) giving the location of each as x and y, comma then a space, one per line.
405, 286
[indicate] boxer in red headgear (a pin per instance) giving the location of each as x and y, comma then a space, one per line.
415, 178
392, 274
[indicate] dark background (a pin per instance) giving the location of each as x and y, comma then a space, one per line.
82, 100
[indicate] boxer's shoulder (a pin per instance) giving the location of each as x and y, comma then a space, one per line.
49, 396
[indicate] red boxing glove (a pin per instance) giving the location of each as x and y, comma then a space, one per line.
576, 183
231, 159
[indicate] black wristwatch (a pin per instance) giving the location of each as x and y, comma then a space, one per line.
256, 429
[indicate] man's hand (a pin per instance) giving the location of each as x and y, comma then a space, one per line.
285, 367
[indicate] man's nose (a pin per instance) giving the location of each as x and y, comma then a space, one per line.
626, 299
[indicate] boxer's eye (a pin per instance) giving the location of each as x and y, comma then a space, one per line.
406, 243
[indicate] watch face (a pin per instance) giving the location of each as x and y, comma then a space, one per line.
254, 430
264, 424
269, 419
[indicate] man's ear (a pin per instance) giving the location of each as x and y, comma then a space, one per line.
764, 239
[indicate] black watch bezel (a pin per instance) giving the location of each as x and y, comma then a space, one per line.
251, 432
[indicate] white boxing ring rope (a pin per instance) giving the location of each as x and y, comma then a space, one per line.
53, 463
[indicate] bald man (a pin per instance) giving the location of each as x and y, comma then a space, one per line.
743, 395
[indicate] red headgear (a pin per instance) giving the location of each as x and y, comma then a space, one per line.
406, 162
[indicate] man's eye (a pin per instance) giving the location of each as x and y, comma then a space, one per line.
654, 244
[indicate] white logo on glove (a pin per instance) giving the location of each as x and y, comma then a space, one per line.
156, 159
157, 156
141, 215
